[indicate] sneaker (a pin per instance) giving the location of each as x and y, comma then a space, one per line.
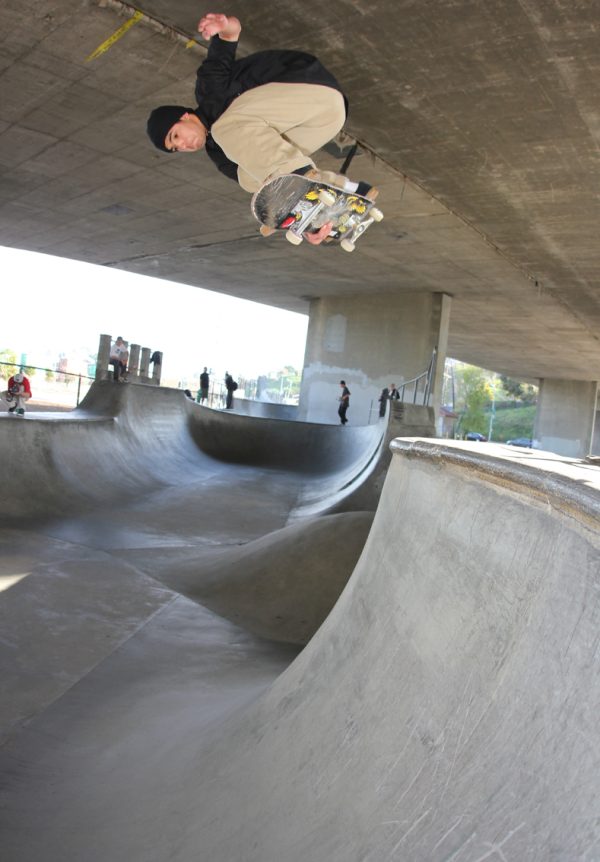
20, 412
12, 409
367, 191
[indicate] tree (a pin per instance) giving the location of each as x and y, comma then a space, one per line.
520, 391
473, 391
10, 366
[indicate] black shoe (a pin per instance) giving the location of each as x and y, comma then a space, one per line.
12, 409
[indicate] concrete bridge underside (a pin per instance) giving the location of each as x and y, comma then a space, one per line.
478, 121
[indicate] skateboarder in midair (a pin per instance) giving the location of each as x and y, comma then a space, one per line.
258, 117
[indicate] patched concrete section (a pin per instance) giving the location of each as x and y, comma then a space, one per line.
478, 123
370, 342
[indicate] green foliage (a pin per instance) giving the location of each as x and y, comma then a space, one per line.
284, 384
511, 422
9, 356
7, 370
519, 391
473, 391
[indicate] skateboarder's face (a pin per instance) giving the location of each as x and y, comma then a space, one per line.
186, 136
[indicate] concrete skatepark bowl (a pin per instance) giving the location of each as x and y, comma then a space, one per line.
165, 564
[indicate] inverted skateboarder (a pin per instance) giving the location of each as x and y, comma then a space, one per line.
257, 117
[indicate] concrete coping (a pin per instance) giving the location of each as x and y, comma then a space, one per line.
567, 484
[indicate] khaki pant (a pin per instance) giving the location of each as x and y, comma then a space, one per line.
274, 128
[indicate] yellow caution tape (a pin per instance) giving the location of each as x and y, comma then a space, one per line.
101, 49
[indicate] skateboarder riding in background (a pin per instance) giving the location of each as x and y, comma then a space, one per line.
258, 117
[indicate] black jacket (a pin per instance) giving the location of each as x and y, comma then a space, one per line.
221, 78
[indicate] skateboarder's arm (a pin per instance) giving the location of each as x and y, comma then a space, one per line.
214, 75
225, 27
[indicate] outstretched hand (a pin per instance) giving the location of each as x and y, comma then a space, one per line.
318, 237
228, 28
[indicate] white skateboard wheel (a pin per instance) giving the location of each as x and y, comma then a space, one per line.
326, 197
375, 214
293, 237
347, 245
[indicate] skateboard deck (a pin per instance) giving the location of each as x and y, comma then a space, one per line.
299, 205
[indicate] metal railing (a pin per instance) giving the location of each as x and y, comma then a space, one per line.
24, 368
421, 385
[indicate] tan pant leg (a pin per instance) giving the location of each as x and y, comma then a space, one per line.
273, 129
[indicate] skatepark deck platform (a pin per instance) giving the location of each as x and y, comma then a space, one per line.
161, 574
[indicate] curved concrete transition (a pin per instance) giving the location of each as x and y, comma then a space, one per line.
445, 709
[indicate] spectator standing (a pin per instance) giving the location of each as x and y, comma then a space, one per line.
124, 362
344, 402
204, 384
18, 393
390, 394
383, 400
231, 386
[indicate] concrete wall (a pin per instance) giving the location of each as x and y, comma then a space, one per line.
564, 421
368, 341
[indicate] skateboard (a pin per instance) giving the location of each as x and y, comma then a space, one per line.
298, 205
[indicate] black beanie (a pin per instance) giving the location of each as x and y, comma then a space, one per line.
161, 120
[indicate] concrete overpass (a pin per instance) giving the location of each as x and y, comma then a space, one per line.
479, 122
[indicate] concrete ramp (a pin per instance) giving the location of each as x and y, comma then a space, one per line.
446, 711
128, 441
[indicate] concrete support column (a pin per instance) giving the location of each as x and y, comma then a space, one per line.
145, 362
370, 341
566, 419
134, 359
102, 370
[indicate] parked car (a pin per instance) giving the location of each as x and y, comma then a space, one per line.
475, 435
527, 442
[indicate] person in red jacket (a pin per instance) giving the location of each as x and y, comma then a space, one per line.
257, 117
18, 393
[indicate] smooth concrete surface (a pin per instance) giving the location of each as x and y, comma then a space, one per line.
566, 415
121, 488
477, 121
445, 710
281, 586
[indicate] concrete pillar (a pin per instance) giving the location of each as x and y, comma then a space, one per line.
145, 362
102, 370
370, 341
157, 369
134, 360
566, 417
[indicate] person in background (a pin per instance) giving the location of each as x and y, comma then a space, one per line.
390, 394
204, 384
118, 348
231, 386
124, 360
344, 402
18, 393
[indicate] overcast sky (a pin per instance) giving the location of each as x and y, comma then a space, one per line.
62, 306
